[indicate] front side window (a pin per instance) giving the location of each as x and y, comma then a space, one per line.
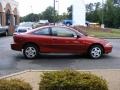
63, 32
44, 31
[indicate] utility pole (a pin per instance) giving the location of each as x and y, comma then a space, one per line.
58, 7
102, 21
57, 1
31, 8
54, 12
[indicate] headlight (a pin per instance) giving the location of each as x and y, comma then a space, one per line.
108, 45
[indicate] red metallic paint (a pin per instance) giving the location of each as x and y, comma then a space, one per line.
54, 44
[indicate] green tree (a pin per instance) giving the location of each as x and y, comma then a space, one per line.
93, 13
49, 15
63, 16
30, 17
90, 7
109, 13
112, 14
69, 10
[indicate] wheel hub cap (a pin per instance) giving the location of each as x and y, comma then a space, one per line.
96, 52
30, 52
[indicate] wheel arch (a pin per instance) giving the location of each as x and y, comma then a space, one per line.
96, 44
30, 43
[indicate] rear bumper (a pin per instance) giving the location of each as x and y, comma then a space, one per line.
16, 47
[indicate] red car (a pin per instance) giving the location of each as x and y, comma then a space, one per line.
59, 39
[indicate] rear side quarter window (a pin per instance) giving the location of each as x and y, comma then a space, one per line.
43, 31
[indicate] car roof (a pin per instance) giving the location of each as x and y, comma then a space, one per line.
49, 26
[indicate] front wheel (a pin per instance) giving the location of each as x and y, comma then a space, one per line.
30, 51
95, 51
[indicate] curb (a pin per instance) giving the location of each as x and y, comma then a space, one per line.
109, 38
14, 74
22, 72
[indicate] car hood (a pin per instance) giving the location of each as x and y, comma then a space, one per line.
95, 40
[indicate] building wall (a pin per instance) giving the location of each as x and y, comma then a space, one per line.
13, 4
9, 15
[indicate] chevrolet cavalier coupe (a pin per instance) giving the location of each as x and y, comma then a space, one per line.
59, 39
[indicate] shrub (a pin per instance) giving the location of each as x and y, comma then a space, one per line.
14, 84
71, 80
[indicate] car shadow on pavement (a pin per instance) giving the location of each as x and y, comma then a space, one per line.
62, 57
51, 56
58, 62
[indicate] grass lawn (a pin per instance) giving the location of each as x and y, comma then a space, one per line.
114, 33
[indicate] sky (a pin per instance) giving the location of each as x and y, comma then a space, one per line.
37, 6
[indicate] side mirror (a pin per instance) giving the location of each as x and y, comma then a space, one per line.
77, 36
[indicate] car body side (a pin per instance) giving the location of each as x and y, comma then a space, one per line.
54, 44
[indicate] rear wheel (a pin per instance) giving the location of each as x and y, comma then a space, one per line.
95, 51
68, 24
30, 51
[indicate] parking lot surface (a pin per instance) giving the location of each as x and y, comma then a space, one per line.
13, 61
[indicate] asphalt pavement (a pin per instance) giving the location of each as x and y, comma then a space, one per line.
13, 61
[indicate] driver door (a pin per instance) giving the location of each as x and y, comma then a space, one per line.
64, 40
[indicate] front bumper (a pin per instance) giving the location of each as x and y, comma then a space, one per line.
108, 48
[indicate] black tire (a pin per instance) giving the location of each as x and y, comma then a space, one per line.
6, 33
30, 51
95, 52
68, 24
